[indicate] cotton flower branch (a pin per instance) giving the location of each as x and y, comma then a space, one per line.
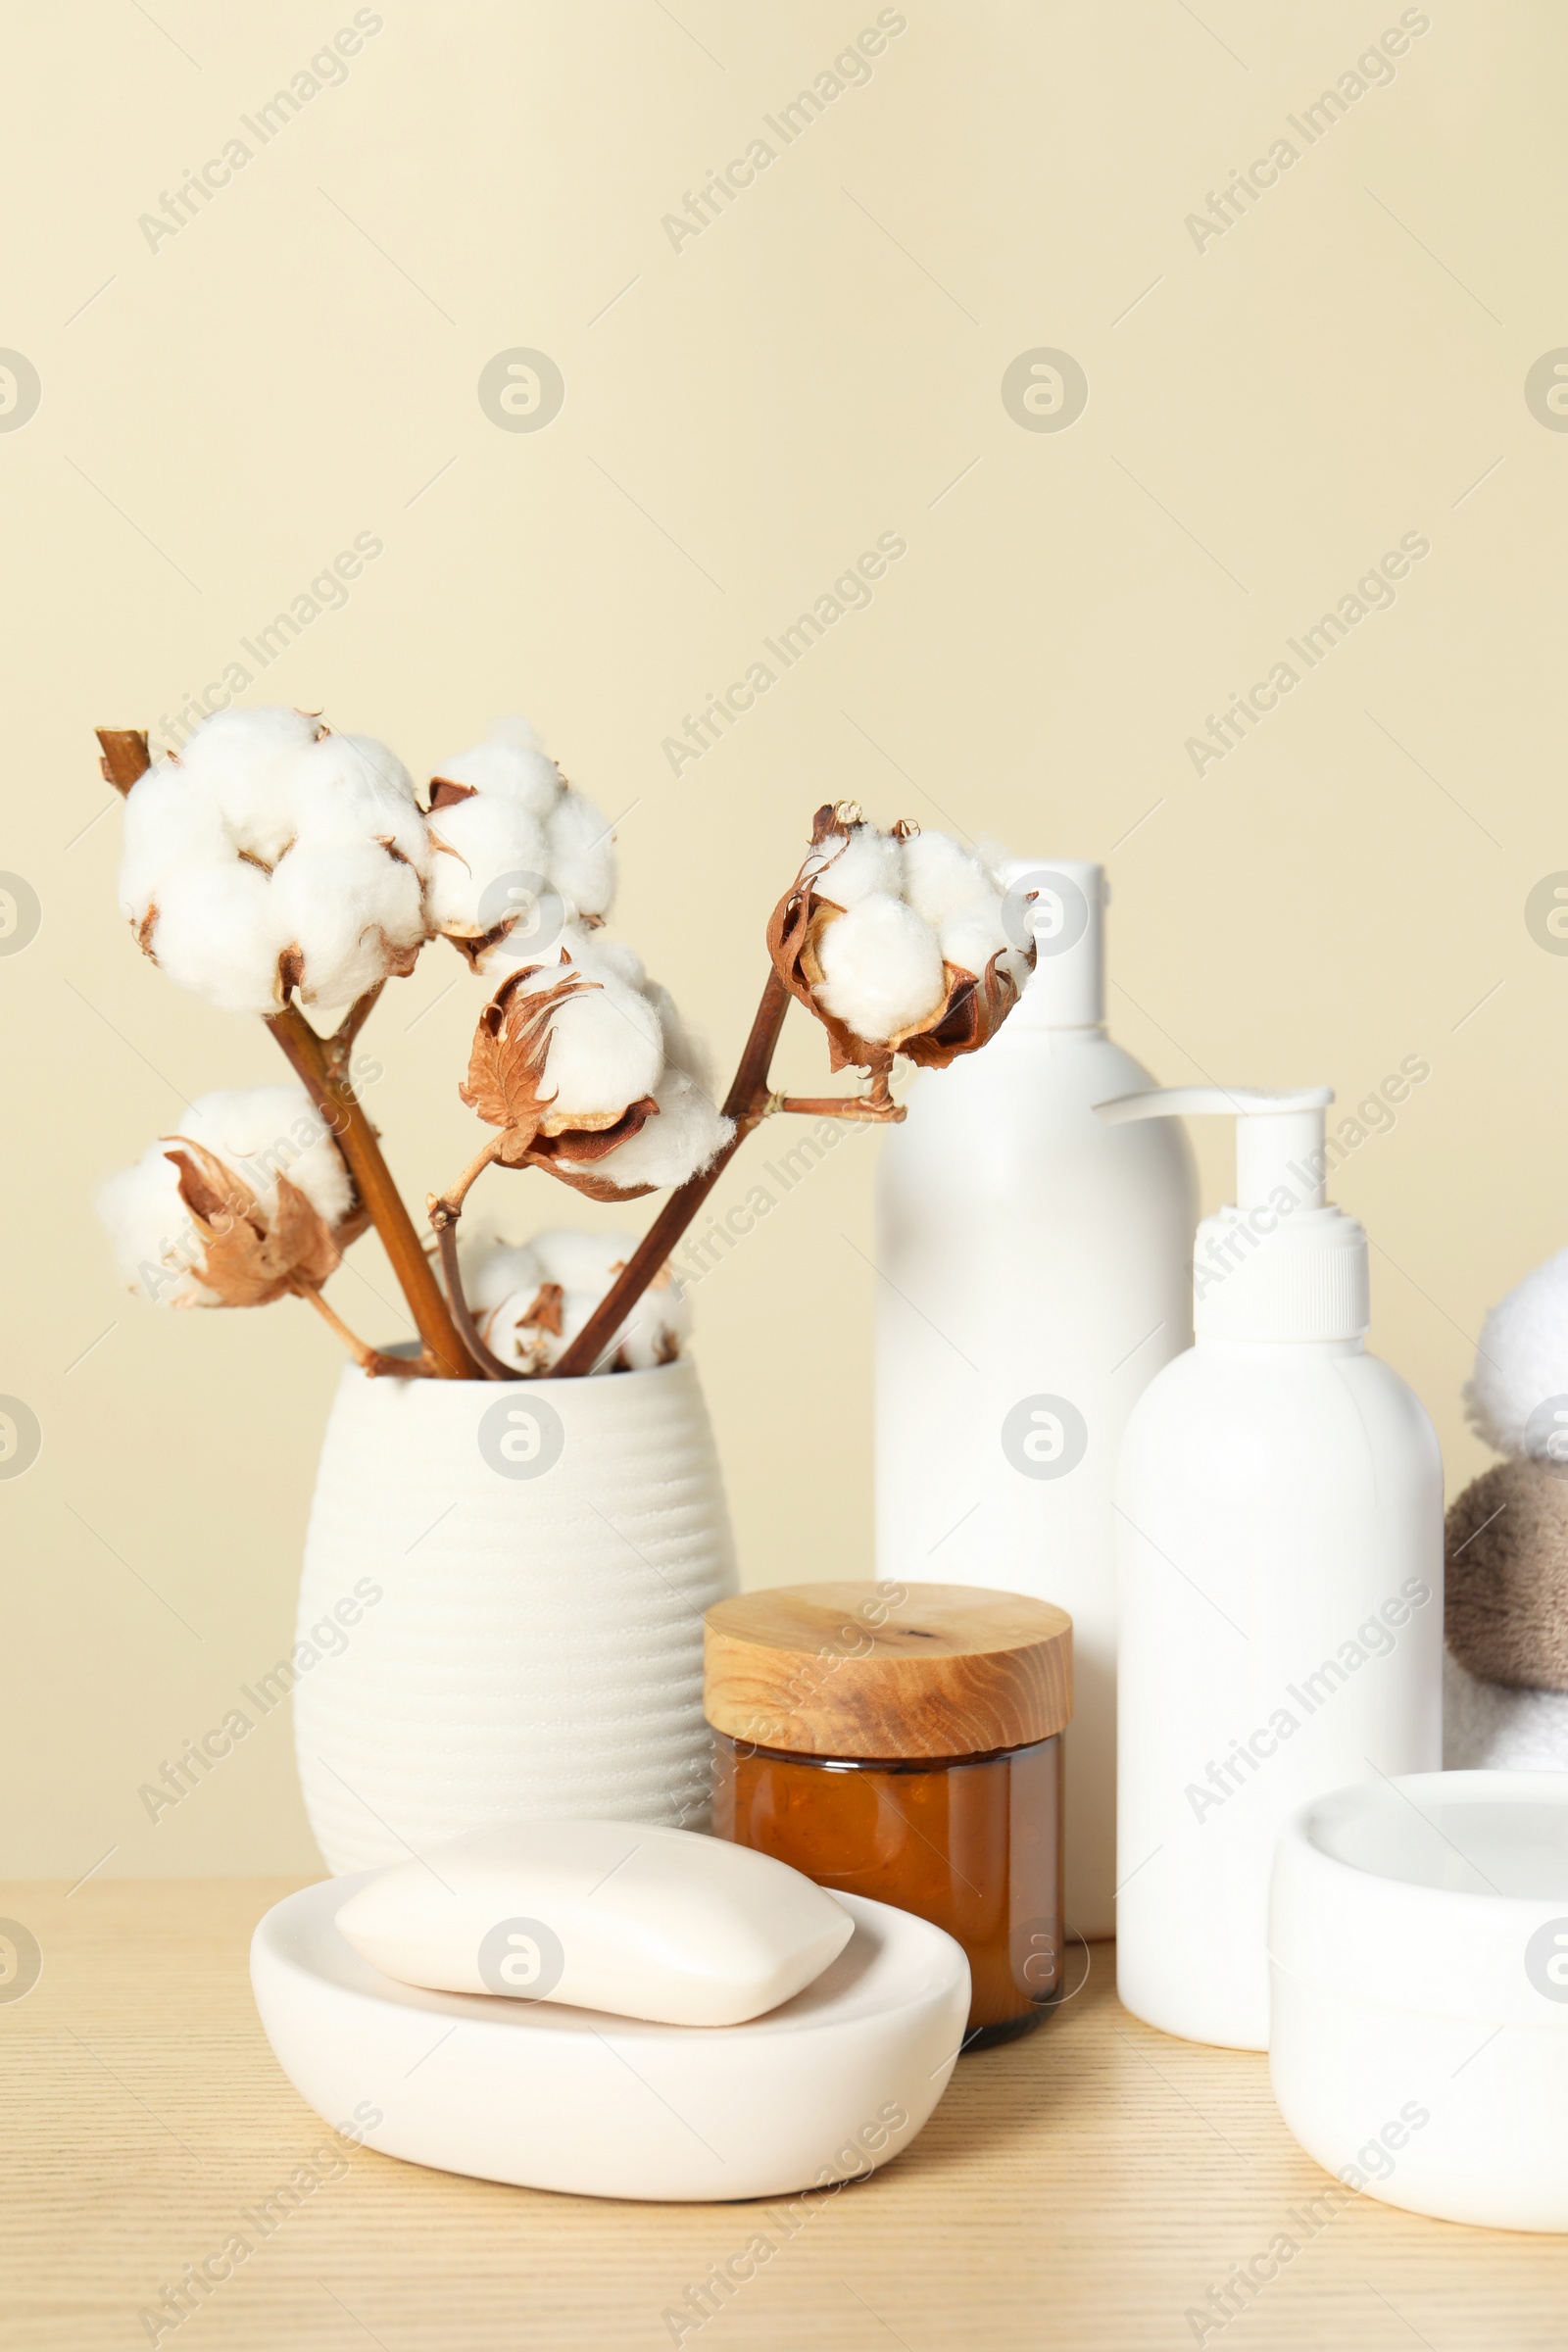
251, 1202
274, 865
158, 833
896, 943
745, 1108
586, 1070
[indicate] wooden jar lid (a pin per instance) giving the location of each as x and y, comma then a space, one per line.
863, 1670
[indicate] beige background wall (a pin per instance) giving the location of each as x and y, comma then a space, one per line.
743, 416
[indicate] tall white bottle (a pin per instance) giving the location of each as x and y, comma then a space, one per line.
1280, 1500
1035, 1274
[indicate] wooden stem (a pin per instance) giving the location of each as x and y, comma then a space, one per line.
747, 1104
451, 1199
369, 1359
490, 1364
126, 755
445, 1210
321, 1063
841, 1107
340, 1045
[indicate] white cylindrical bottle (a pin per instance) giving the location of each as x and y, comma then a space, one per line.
1034, 1267
1280, 1500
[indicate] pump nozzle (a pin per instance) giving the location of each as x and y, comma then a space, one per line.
1279, 1264
1278, 1136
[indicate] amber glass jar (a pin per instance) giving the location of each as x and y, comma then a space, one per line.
904, 1743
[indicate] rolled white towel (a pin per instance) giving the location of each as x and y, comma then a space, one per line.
1489, 1724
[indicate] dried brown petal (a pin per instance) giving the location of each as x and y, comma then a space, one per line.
401, 956
475, 951
506, 1067
592, 1187
974, 1011
250, 1259
594, 1142
583, 1147
545, 1312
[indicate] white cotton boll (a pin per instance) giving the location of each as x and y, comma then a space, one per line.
882, 969
509, 1331
246, 760
606, 1051
263, 1132
689, 1132
582, 855
219, 934
354, 912
493, 1270
150, 1230
972, 937
549, 1347
598, 957
866, 865
682, 1048
1522, 1363
514, 730
579, 1260
508, 766
490, 859
508, 1334
654, 1331
261, 838
170, 822
352, 788
941, 880
583, 1265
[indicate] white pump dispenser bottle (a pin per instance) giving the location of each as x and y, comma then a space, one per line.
1280, 1500
1034, 1268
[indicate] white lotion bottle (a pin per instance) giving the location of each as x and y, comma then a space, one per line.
1280, 1498
1033, 1272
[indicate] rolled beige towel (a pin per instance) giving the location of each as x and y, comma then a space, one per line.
1505, 1602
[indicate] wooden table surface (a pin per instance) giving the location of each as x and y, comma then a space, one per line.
1087, 2187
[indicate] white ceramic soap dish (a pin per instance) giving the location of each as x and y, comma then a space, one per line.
836, 2082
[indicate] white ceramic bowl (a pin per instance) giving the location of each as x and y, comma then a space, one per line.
836, 2082
1418, 1934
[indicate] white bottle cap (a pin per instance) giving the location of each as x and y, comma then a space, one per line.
1279, 1263
1067, 917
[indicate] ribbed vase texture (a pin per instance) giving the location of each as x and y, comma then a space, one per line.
504, 1589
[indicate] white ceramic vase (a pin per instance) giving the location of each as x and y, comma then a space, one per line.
501, 1610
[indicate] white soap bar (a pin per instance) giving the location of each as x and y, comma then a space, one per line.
643, 1921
